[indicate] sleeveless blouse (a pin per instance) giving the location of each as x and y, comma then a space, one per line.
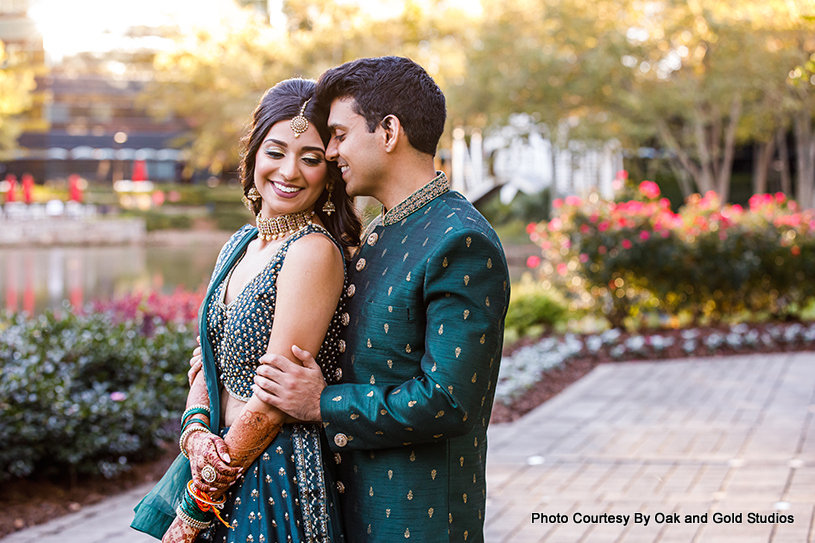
289, 493
239, 332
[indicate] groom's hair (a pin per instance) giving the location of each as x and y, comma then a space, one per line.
389, 86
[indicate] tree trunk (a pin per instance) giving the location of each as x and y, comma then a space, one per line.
805, 149
762, 157
784, 160
726, 165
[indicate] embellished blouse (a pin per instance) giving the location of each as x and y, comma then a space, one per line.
240, 331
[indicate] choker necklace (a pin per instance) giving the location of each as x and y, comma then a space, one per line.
279, 227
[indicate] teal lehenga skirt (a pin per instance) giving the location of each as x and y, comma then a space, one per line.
287, 495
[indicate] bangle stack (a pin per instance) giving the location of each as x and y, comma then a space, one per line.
197, 509
187, 420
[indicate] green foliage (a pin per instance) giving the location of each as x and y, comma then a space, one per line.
88, 395
156, 219
626, 259
531, 306
231, 217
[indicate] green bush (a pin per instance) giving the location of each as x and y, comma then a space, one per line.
530, 306
84, 394
708, 262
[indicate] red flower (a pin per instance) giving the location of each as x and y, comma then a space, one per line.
557, 203
533, 262
531, 227
561, 268
650, 190
645, 236
627, 244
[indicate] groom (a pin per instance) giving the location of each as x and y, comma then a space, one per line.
427, 293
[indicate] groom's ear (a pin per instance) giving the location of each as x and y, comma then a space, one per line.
392, 132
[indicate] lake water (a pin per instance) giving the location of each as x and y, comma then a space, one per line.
32, 279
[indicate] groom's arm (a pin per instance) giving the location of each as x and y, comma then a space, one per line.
465, 296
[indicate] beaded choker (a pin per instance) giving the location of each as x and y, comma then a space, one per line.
279, 227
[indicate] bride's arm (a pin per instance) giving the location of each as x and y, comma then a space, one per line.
308, 289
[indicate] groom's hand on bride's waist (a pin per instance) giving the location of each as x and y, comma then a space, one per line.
290, 387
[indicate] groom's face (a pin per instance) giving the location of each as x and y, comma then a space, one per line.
358, 152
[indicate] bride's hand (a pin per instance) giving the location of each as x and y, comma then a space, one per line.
179, 532
207, 449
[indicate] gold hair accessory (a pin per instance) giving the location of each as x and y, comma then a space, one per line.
328, 206
252, 195
299, 124
278, 227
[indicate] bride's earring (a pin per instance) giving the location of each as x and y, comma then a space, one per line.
252, 195
328, 206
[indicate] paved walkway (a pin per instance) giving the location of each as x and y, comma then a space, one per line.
707, 437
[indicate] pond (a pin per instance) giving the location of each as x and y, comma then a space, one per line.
33, 279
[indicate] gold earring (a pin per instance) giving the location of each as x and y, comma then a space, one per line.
252, 196
328, 206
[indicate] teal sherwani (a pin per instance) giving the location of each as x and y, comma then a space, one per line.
427, 297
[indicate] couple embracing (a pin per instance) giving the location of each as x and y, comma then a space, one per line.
381, 435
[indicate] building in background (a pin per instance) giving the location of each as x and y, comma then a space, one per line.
87, 118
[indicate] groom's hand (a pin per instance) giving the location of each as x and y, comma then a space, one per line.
290, 387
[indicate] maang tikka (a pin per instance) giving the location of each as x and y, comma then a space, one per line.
299, 124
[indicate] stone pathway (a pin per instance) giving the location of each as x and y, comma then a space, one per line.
728, 436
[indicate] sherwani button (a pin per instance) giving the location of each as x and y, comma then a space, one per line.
372, 239
351, 290
360, 264
341, 440
340, 487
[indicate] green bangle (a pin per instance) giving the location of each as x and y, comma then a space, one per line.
193, 410
193, 421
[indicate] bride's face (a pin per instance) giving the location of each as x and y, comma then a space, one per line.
290, 172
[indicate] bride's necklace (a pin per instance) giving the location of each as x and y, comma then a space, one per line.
282, 225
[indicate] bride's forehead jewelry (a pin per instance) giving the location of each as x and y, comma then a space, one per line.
299, 124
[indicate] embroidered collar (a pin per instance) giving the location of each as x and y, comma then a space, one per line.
417, 200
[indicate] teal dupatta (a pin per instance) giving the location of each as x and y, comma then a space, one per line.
156, 511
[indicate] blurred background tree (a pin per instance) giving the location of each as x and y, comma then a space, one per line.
16, 84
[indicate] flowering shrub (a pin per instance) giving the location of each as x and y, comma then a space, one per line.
707, 261
90, 393
180, 307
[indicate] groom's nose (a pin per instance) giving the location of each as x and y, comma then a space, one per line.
331, 152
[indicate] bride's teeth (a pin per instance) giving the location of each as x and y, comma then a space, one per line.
284, 188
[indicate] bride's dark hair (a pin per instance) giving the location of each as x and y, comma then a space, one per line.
282, 103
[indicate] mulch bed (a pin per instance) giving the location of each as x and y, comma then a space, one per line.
30, 502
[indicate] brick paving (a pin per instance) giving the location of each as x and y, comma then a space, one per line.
732, 435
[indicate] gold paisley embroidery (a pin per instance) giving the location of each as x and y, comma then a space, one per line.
475, 376
466, 314
488, 301
373, 381
411, 403
444, 262
387, 513
469, 240
354, 416
464, 496
458, 351
390, 364
410, 495
430, 512
489, 263
466, 280
441, 329
386, 329
412, 456
439, 414
390, 474
483, 339
407, 348
408, 277
433, 474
